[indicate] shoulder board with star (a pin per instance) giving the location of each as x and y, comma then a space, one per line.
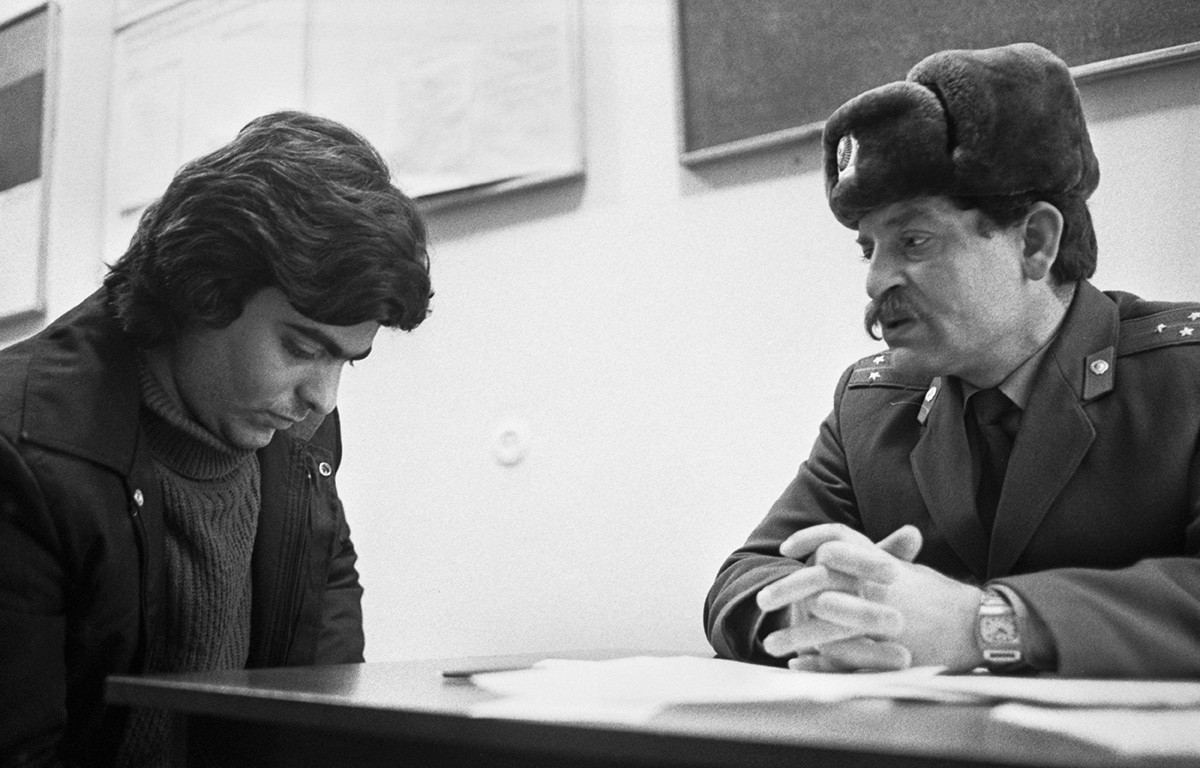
1180, 325
877, 371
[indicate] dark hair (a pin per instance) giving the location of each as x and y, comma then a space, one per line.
296, 202
1076, 248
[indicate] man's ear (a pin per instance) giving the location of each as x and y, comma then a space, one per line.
1043, 227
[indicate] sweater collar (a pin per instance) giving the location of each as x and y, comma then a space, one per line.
178, 442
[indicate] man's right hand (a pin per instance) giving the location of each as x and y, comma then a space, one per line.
835, 621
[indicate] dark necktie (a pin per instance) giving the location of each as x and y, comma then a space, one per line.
996, 420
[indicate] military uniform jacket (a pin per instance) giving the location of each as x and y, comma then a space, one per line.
1098, 523
82, 539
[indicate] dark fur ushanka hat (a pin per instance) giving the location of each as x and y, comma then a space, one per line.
1000, 121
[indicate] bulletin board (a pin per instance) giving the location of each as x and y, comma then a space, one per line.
759, 73
26, 78
463, 98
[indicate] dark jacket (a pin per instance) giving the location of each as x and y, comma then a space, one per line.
1098, 525
81, 543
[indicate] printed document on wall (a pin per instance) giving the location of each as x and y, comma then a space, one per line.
455, 93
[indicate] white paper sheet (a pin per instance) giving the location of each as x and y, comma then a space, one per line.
455, 93
635, 688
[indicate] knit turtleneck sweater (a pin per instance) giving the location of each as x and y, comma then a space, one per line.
210, 494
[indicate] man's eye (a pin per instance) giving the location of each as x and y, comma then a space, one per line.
915, 241
867, 252
300, 352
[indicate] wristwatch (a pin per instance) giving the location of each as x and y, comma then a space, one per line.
997, 633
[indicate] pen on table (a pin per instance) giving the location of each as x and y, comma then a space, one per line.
467, 671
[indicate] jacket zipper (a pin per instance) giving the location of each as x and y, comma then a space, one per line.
135, 503
293, 567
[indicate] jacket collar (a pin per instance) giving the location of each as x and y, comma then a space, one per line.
83, 395
1044, 458
1091, 326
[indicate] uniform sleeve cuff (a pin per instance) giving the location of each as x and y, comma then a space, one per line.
1037, 644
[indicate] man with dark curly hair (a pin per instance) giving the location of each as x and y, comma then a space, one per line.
168, 448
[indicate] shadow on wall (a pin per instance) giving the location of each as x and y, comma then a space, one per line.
512, 208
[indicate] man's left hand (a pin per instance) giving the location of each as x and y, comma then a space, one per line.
857, 606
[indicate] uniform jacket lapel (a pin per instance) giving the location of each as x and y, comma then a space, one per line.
941, 464
1055, 435
1055, 432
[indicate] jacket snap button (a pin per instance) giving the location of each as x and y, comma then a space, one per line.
325, 469
138, 498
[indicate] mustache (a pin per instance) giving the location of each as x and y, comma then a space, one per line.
881, 311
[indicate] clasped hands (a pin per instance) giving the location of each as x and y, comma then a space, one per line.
857, 605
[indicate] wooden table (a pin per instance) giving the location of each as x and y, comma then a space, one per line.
407, 714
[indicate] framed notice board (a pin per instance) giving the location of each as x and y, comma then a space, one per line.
758, 73
26, 45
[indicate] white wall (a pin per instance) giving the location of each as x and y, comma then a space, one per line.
657, 329
671, 338
1145, 129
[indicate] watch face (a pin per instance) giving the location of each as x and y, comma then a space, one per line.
998, 629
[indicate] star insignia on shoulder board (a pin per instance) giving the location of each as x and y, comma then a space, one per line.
1185, 331
1159, 328
879, 359
874, 375
1194, 316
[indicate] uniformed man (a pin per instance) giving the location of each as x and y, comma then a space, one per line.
1015, 483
